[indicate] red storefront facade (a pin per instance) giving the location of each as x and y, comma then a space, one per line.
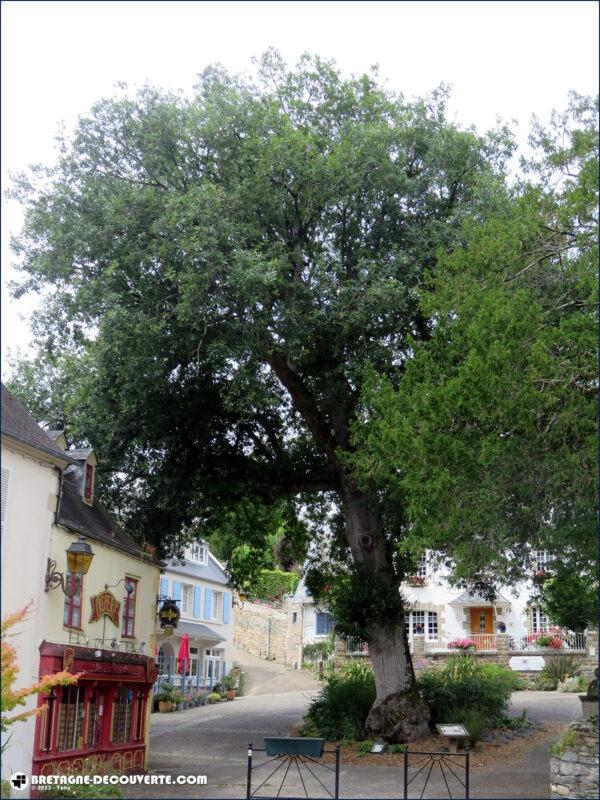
102, 718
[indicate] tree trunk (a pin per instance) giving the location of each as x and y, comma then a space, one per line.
399, 713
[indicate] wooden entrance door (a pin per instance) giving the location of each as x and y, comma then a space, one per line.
482, 622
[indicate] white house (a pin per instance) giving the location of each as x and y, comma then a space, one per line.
443, 614
198, 584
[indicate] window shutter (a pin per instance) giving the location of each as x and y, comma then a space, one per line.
226, 606
197, 597
176, 590
5, 482
207, 603
164, 587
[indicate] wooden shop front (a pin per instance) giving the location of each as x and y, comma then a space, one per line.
100, 723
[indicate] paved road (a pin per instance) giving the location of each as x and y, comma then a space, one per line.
212, 740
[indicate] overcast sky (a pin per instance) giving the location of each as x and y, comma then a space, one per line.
508, 59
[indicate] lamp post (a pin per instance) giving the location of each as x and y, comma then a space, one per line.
79, 558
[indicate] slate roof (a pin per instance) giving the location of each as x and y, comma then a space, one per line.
81, 454
210, 571
94, 522
18, 424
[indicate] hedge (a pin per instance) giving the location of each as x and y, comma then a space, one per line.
272, 584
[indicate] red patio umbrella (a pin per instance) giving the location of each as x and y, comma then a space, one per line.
183, 657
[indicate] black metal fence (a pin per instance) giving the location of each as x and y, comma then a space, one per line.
299, 773
421, 768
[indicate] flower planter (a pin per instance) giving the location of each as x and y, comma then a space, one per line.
231, 693
294, 746
164, 706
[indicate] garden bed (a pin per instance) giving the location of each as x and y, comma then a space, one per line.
500, 746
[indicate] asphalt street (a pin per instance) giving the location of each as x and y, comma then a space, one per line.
213, 741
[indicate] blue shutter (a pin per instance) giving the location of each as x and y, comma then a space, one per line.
226, 606
164, 587
197, 596
207, 603
176, 590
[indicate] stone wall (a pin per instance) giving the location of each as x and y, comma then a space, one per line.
574, 772
269, 632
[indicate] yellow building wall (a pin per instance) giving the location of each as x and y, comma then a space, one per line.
109, 566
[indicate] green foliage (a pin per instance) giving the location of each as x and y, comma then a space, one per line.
214, 697
340, 709
569, 740
319, 650
272, 584
475, 720
519, 724
358, 600
556, 669
365, 747
570, 599
496, 412
83, 792
463, 685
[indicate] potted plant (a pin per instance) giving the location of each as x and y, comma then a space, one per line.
214, 697
164, 702
177, 699
229, 686
416, 580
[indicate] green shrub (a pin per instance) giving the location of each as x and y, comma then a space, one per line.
364, 748
474, 720
557, 669
521, 723
570, 739
340, 709
272, 584
464, 684
319, 650
214, 697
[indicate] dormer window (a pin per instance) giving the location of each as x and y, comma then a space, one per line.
198, 553
88, 491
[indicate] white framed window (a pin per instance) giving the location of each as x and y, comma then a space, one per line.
187, 594
422, 566
324, 623
541, 560
418, 622
198, 553
432, 625
217, 607
539, 620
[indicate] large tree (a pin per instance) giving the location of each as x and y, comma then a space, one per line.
218, 273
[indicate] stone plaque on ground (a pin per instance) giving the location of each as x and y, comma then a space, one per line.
527, 663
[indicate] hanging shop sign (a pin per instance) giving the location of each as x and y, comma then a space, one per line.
169, 614
105, 605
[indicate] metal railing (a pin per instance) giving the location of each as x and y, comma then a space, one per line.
356, 647
168, 673
421, 767
479, 642
560, 641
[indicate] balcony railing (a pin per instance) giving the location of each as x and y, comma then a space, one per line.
479, 642
560, 641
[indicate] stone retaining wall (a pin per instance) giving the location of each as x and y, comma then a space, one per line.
269, 632
574, 772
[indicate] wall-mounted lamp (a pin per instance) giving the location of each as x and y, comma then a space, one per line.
79, 558
129, 587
